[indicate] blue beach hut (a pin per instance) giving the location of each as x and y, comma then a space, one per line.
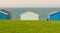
4, 15
54, 15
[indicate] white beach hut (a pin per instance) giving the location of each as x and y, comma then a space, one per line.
29, 16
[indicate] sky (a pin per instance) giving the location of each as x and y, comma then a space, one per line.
29, 3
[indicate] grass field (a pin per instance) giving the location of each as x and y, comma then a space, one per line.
11, 26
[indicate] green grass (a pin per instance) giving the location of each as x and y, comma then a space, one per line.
12, 26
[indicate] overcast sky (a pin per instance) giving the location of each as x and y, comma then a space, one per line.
29, 3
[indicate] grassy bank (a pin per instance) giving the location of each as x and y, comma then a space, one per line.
35, 26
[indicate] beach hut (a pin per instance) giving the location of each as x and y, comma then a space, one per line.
54, 15
5, 15
29, 15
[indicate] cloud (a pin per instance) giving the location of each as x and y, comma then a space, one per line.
29, 3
